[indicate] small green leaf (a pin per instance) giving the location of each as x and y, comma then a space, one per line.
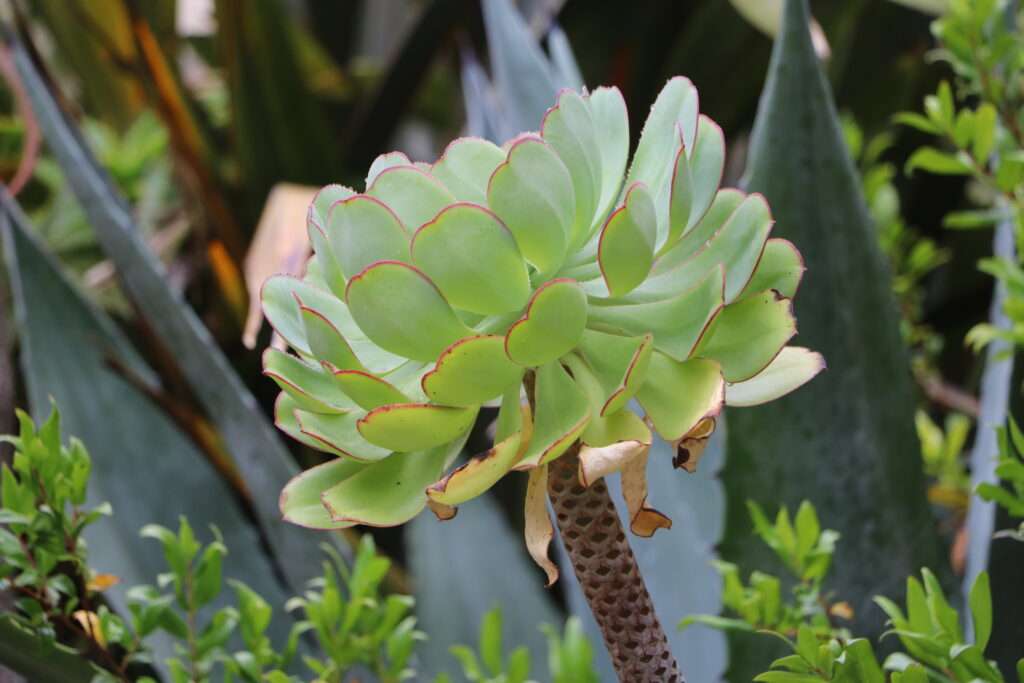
490, 642
980, 601
984, 132
917, 121
533, 195
401, 310
932, 160
626, 248
407, 427
552, 325
473, 259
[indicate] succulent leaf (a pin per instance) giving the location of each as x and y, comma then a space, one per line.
608, 111
363, 229
781, 268
473, 259
326, 342
626, 249
677, 396
300, 500
466, 166
552, 325
471, 371
532, 193
414, 195
790, 370
619, 363
312, 388
338, 435
405, 427
748, 335
402, 311
569, 128
561, 415
367, 390
384, 162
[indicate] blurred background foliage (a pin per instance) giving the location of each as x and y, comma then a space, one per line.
194, 131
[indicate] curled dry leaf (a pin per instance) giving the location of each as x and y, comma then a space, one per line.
538, 529
280, 245
443, 512
643, 520
690, 448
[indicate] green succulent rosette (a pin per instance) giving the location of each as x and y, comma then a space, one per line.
446, 287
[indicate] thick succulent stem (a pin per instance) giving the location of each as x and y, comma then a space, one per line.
607, 570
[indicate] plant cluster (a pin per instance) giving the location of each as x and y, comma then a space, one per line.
1010, 469
934, 644
354, 625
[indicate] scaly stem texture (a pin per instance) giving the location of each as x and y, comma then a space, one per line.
610, 577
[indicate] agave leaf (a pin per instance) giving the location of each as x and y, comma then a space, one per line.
261, 457
406, 427
338, 435
414, 195
41, 660
619, 363
678, 323
869, 437
562, 413
608, 110
457, 583
363, 229
790, 370
466, 166
676, 396
473, 259
533, 195
402, 311
551, 326
144, 466
781, 268
569, 128
312, 388
389, 492
522, 76
368, 391
626, 249
300, 500
748, 335
471, 371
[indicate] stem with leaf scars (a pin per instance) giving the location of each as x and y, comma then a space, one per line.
609, 575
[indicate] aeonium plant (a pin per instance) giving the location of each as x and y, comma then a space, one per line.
546, 279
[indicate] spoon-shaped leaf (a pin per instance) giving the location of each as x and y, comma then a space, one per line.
569, 128
608, 110
533, 195
389, 492
411, 193
402, 311
620, 364
677, 323
338, 434
367, 390
471, 371
310, 386
676, 396
300, 500
626, 249
362, 230
466, 166
406, 427
781, 268
749, 334
561, 416
473, 259
552, 325
791, 369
